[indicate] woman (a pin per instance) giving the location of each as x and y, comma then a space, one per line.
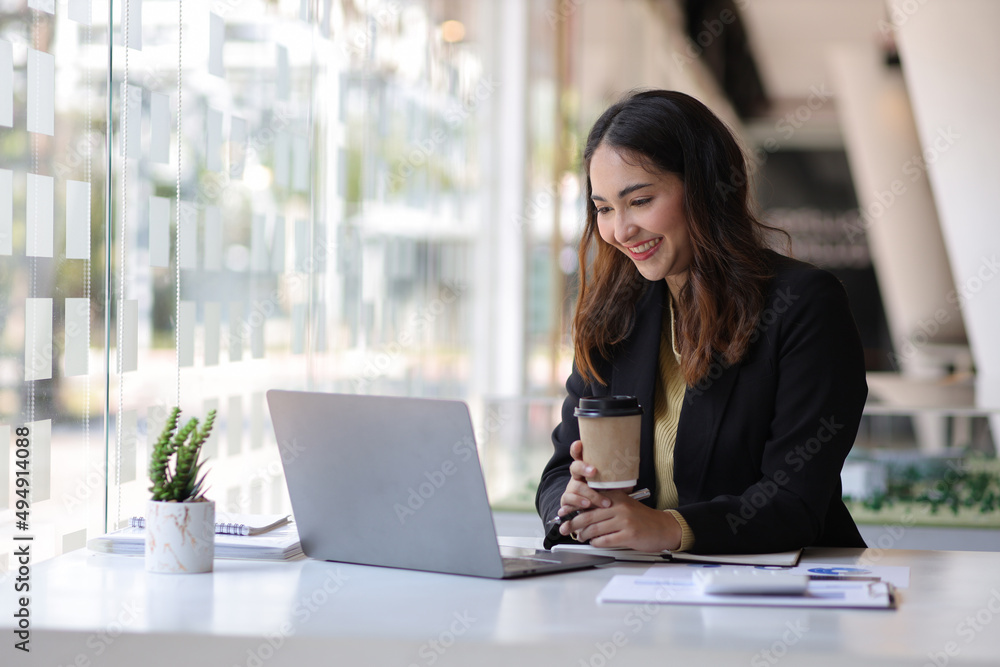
747, 363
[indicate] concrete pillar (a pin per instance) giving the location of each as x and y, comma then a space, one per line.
897, 208
951, 62
900, 221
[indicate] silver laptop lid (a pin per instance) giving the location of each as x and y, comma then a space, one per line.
386, 481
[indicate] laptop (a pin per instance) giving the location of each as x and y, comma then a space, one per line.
395, 482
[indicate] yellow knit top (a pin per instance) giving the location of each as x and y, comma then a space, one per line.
669, 399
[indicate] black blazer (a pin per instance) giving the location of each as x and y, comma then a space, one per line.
760, 444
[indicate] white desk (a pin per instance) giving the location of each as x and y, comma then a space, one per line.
91, 609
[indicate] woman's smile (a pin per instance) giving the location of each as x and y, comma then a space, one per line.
644, 250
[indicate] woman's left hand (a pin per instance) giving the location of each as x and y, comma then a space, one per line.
627, 523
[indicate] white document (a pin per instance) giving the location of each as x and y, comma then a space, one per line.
683, 590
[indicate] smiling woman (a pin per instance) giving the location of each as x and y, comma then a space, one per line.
740, 356
645, 219
672, 143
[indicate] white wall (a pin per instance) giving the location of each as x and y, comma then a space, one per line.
951, 62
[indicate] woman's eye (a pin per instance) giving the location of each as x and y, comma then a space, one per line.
641, 202
601, 210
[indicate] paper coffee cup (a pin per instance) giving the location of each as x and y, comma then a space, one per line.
610, 428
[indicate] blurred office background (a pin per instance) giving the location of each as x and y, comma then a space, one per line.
200, 201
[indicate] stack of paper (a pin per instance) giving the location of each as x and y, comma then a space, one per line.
228, 523
279, 544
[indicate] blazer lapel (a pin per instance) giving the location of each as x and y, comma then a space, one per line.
704, 406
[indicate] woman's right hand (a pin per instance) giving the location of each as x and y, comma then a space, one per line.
578, 495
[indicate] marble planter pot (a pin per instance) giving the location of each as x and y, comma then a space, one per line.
180, 537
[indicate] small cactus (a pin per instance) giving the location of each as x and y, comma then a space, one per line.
181, 481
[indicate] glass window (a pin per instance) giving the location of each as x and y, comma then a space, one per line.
269, 195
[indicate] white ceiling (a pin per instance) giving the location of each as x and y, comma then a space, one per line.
791, 41
790, 38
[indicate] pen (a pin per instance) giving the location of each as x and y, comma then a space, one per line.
557, 520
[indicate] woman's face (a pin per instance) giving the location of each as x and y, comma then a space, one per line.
641, 212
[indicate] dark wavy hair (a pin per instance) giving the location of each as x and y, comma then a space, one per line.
720, 303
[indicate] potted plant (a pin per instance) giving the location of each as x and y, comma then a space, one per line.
180, 521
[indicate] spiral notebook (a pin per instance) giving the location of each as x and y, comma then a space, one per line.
282, 543
228, 523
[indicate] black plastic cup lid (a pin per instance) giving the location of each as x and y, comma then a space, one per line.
608, 406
